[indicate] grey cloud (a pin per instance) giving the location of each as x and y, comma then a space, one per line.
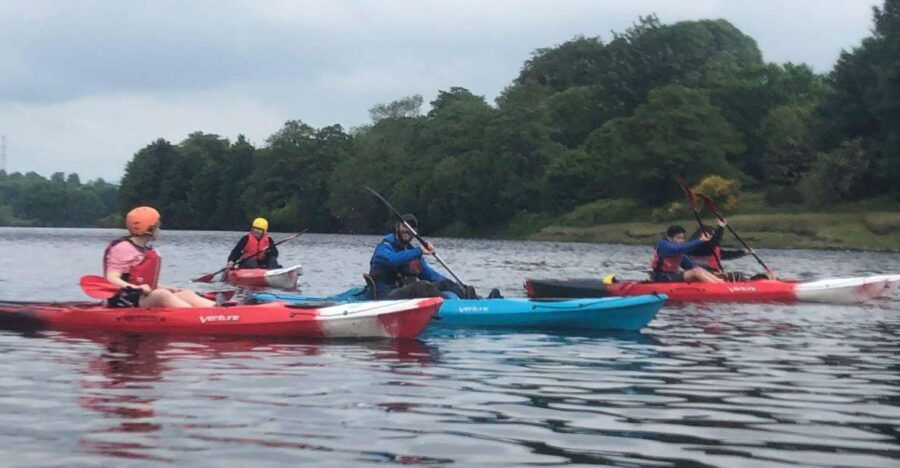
75, 73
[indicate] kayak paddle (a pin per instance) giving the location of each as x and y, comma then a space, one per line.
208, 278
414, 233
689, 194
98, 287
711, 206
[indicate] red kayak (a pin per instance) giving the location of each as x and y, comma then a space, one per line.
833, 291
383, 319
284, 278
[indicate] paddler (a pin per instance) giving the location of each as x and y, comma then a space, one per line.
671, 256
132, 264
256, 248
400, 271
709, 255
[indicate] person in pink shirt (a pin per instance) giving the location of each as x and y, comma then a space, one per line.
133, 265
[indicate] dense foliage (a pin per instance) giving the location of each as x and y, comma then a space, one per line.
32, 200
584, 121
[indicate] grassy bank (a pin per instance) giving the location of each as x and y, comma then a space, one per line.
856, 230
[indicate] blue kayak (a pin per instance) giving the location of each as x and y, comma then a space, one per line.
608, 313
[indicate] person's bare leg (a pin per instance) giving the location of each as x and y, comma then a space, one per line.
162, 298
193, 299
699, 275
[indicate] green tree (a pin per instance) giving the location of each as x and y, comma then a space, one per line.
407, 107
144, 175
838, 175
866, 98
574, 63
677, 132
575, 113
790, 147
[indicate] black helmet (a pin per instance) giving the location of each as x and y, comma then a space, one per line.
411, 220
674, 230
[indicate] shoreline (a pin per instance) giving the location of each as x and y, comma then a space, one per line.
867, 231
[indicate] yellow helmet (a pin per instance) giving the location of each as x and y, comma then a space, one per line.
261, 223
610, 279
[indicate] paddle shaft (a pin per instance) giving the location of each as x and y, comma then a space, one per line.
414, 233
711, 205
243, 258
259, 251
693, 202
736, 236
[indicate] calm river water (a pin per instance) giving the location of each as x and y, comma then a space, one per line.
723, 385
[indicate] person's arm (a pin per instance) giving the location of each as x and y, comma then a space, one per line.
386, 255
117, 262
731, 254
430, 274
115, 278
238, 250
717, 236
668, 249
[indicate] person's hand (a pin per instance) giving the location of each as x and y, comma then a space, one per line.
144, 289
722, 222
229, 265
428, 248
705, 237
771, 274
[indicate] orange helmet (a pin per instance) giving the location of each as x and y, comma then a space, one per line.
141, 220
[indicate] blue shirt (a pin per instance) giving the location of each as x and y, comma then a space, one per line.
666, 248
393, 257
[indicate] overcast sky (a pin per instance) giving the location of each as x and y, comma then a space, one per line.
85, 84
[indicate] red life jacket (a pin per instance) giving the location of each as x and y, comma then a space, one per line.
414, 268
667, 264
399, 275
144, 272
710, 260
256, 248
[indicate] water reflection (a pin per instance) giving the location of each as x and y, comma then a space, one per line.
703, 385
126, 381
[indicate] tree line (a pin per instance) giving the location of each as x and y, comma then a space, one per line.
583, 121
33, 200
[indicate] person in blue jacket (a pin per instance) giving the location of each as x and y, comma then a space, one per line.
671, 257
400, 271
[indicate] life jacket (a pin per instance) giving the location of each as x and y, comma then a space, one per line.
256, 248
710, 260
666, 264
397, 276
144, 272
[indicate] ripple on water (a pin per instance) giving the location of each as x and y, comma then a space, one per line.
723, 385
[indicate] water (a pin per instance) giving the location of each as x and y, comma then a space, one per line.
724, 385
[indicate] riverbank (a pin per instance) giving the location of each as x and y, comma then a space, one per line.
877, 231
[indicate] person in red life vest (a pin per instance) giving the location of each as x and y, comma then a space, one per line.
256, 249
133, 265
709, 255
671, 256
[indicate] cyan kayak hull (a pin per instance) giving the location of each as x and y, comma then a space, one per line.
609, 313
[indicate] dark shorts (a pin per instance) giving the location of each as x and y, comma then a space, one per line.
414, 290
268, 264
666, 277
125, 299
430, 289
